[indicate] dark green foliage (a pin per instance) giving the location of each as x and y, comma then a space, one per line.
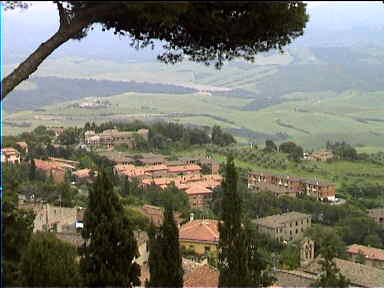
270, 146
107, 258
330, 276
165, 260
287, 147
17, 230
69, 136
342, 150
295, 152
232, 247
47, 261
221, 138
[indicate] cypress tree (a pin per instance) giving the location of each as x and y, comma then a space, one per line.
165, 259
107, 257
233, 252
32, 170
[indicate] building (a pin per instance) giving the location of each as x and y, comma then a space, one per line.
51, 218
322, 155
202, 236
10, 155
378, 215
54, 168
109, 138
320, 190
286, 185
84, 176
202, 276
373, 256
71, 163
156, 214
360, 275
199, 196
284, 227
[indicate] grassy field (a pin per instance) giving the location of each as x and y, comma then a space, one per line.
310, 121
309, 118
334, 172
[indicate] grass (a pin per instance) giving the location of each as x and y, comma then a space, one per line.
334, 172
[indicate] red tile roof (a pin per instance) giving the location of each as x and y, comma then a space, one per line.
202, 276
184, 168
369, 252
200, 230
47, 165
197, 189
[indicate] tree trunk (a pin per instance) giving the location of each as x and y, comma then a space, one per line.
30, 65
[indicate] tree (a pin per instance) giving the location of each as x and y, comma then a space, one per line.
18, 231
32, 170
270, 146
110, 248
233, 256
206, 32
330, 276
167, 266
296, 154
287, 147
47, 261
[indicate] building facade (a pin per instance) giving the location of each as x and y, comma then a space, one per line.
290, 186
109, 138
201, 236
284, 227
378, 215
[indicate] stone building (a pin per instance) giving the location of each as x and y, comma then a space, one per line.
51, 218
378, 215
109, 138
284, 227
57, 169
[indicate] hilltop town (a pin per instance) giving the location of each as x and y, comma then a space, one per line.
52, 171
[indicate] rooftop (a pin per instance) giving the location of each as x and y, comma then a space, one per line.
359, 274
369, 252
200, 230
198, 189
202, 276
280, 219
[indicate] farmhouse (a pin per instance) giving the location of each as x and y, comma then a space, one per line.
109, 138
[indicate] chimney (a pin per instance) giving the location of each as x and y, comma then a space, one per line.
191, 217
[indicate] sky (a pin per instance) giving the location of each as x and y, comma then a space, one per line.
34, 25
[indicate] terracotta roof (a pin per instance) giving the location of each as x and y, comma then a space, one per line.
198, 189
202, 276
192, 167
280, 219
47, 165
82, 173
200, 230
362, 275
155, 214
369, 252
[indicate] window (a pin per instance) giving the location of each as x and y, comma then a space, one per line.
297, 231
296, 223
207, 249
